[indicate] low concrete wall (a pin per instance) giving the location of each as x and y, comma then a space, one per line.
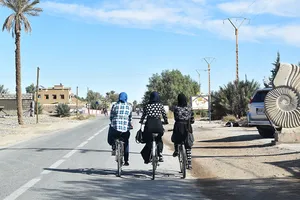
289, 136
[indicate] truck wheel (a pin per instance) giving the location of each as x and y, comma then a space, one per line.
266, 132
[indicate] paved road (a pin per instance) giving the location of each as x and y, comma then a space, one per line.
77, 164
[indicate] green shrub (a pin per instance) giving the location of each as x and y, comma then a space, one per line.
62, 110
229, 118
40, 109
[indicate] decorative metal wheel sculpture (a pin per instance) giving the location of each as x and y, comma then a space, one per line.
282, 105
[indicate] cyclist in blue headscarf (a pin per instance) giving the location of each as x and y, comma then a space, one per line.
120, 117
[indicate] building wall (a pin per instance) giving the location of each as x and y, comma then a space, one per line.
10, 103
55, 95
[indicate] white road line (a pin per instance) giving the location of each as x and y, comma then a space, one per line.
68, 155
32, 182
22, 189
92, 137
55, 165
100, 131
82, 144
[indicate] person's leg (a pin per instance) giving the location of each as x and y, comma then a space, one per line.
175, 154
125, 137
146, 152
160, 146
189, 157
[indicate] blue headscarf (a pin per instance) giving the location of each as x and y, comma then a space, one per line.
154, 97
123, 97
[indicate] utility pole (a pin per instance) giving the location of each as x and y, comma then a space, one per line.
199, 81
209, 60
236, 28
37, 94
77, 101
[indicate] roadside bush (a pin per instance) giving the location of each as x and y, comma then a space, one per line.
40, 109
62, 110
229, 118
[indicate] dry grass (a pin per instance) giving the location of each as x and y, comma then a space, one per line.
83, 117
229, 118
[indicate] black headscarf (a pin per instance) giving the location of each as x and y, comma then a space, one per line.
182, 100
154, 97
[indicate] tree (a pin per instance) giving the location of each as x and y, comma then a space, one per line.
112, 96
274, 71
30, 89
134, 105
93, 96
232, 99
169, 84
3, 90
14, 23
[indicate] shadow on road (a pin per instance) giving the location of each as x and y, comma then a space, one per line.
238, 138
128, 187
126, 173
245, 189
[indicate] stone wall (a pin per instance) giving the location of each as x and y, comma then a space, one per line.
10, 103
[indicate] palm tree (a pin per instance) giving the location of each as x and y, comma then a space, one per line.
14, 23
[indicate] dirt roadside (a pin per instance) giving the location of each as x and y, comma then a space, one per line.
11, 133
236, 163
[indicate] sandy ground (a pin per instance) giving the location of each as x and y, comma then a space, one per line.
11, 133
236, 163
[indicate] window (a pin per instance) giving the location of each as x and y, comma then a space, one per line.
260, 96
46, 96
54, 96
62, 96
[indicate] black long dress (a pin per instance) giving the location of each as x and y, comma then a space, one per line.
184, 117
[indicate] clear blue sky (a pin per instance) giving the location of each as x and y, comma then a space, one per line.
118, 44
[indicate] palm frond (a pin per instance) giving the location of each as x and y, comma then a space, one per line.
26, 23
9, 3
8, 22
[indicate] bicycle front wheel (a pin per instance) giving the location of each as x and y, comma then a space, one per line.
154, 159
182, 160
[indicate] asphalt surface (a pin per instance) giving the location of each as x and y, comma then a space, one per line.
77, 164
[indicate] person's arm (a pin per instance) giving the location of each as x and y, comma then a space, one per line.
143, 115
192, 117
164, 114
176, 114
112, 113
130, 118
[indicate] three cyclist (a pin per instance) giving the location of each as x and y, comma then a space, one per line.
121, 116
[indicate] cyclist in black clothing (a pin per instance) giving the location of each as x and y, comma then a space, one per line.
153, 110
184, 117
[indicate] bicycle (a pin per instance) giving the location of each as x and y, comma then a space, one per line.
119, 155
182, 157
154, 155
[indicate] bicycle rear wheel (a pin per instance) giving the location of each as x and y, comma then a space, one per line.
119, 159
182, 160
154, 159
